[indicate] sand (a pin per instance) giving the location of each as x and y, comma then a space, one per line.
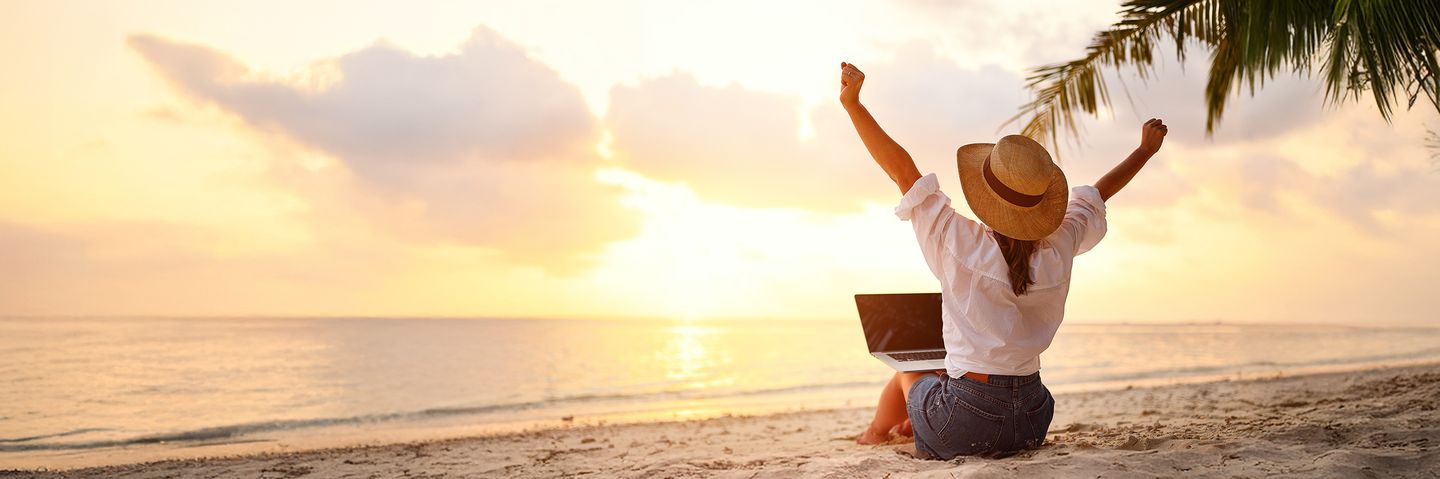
1379, 423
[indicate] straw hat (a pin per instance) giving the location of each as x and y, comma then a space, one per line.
1013, 186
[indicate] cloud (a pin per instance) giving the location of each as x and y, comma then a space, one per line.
1176, 91
932, 106
1277, 154
1241, 157
1015, 34
1275, 184
743, 147
488, 100
485, 145
729, 144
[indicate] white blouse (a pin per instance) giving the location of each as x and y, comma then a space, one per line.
987, 328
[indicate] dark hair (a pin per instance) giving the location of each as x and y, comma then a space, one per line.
1017, 256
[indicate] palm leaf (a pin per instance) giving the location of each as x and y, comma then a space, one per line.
1064, 90
1386, 47
1382, 46
1258, 40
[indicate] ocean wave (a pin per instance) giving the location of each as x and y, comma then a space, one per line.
1248, 367
49, 436
237, 431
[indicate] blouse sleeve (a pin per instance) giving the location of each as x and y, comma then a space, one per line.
1084, 223
938, 228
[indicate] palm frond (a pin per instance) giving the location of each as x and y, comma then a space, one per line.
1063, 90
1386, 47
1258, 40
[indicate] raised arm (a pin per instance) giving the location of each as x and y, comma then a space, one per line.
894, 159
1152, 134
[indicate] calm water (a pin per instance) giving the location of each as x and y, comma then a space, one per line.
143, 388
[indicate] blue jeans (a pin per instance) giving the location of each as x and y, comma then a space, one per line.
962, 417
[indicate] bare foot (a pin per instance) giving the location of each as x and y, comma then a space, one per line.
904, 429
870, 438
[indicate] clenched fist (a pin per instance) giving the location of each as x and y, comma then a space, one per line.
1152, 134
850, 80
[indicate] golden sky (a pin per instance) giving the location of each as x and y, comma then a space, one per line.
656, 159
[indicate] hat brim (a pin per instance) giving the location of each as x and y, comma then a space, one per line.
1019, 222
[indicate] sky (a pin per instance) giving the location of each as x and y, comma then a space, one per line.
627, 159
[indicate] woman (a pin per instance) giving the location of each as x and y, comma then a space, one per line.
1003, 284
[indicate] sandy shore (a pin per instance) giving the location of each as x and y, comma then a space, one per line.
1381, 423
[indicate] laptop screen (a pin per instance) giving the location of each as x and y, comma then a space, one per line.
900, 322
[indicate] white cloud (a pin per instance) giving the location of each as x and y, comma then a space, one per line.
484, 145
743, 147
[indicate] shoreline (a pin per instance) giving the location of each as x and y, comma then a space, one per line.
1383, 420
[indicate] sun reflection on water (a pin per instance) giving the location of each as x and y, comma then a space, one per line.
691, 356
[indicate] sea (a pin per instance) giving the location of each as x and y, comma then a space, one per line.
88, 391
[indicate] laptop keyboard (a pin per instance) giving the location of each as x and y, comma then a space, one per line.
917, 356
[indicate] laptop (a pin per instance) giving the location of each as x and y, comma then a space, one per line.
903, 330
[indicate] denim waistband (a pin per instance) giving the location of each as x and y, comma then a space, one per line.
1011, 381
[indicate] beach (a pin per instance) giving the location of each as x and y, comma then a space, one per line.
638, 239
1371, 423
